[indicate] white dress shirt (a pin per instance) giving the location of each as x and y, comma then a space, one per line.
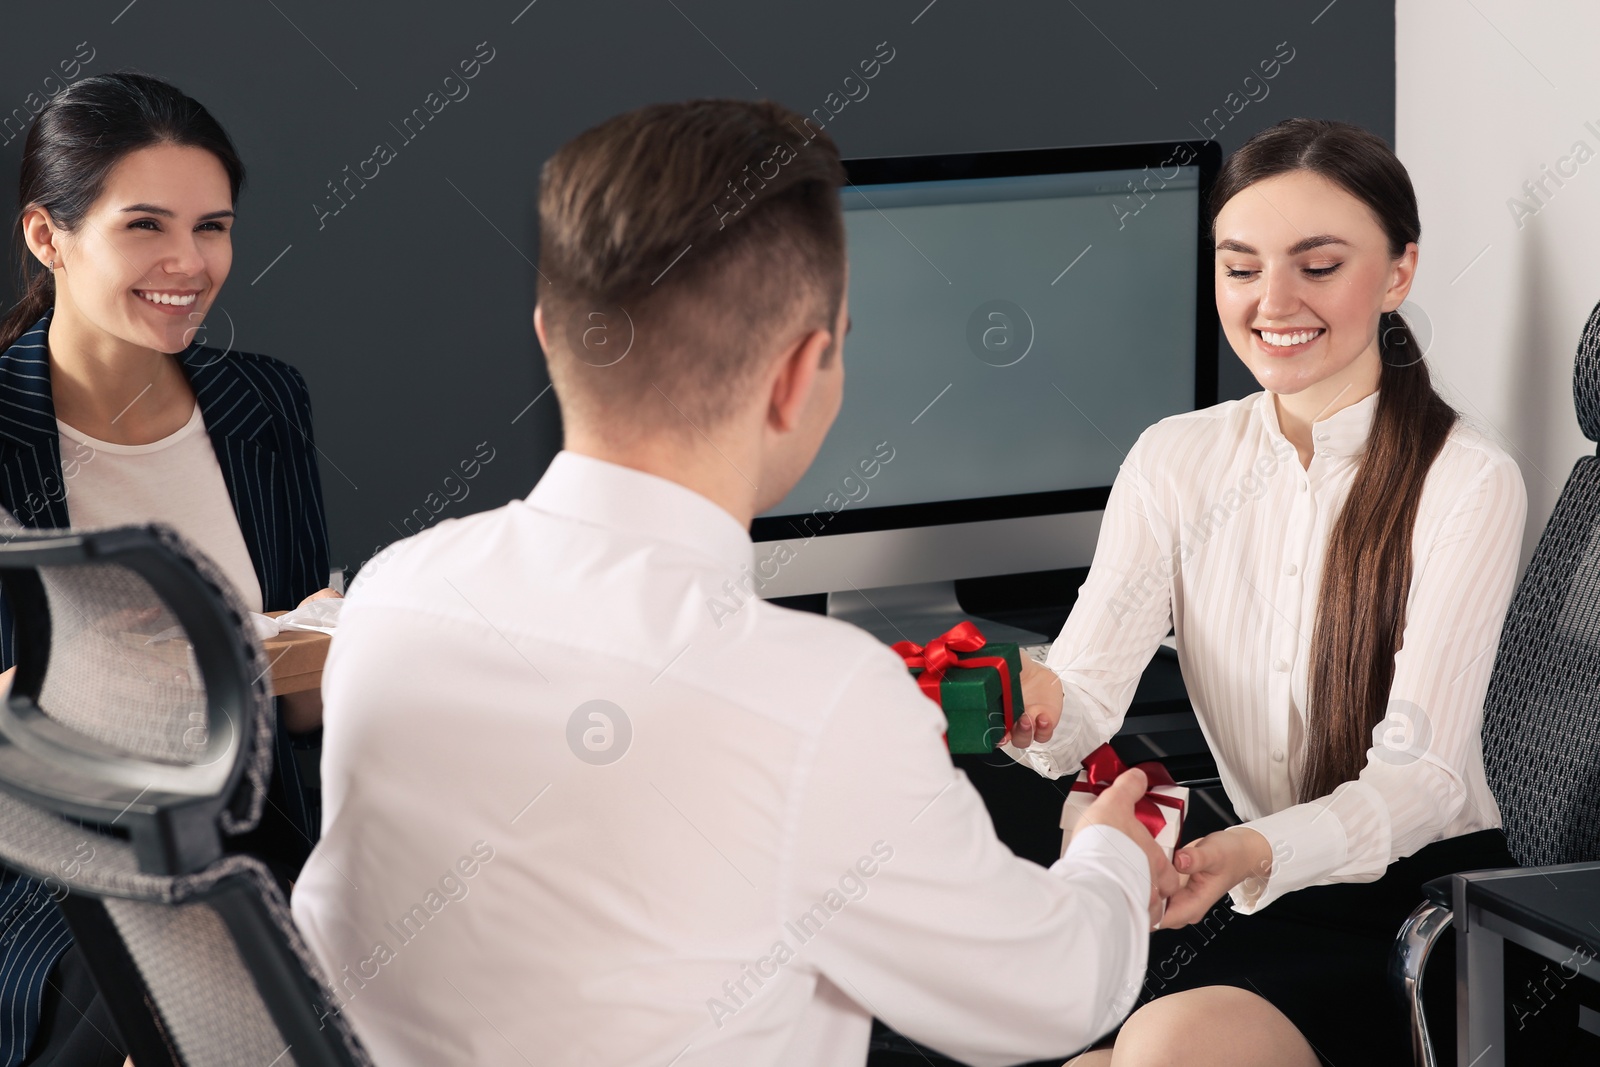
1214, 529
778, 849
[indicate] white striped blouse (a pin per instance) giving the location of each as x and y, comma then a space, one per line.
1214, 529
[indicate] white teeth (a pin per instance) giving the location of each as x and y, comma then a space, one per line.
1284, 340
167, 298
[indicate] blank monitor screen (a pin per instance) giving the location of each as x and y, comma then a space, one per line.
1011, 336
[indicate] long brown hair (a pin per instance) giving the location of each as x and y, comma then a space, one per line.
1361, 609
81, 134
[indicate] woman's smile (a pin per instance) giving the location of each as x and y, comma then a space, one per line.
1291, 342
169, 301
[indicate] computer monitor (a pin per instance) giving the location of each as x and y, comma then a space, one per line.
1018, 319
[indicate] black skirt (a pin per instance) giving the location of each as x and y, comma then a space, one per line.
1321, 956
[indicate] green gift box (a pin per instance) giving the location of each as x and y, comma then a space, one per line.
969, 678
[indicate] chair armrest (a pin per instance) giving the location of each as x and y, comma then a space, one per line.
1409, 960
1439, 891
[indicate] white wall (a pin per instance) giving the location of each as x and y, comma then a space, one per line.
1488, 94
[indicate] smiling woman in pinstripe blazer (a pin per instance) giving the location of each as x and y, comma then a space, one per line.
111, 411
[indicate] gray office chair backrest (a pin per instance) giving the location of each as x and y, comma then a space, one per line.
138, 731
1541, 718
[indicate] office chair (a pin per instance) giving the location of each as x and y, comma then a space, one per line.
1541, 716
137, 732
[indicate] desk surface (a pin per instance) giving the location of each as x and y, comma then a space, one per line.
1561, 904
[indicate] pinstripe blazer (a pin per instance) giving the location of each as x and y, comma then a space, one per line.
257, 412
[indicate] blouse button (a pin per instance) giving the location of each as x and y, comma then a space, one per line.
1280, 665
1322, 437
1291, 570
1277, 755
1303, 487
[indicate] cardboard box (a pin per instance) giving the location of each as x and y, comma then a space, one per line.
296, 658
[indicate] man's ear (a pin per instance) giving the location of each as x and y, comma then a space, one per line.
795, 375
538, 328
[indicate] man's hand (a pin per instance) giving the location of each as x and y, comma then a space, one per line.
320, 594
1213, 865
1114, 808
1041, 705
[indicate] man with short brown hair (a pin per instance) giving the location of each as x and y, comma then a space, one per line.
573, 814
697, 261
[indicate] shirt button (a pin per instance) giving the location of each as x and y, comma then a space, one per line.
1280, 665
1303, 487
1277, 755
1322, 437
1291, 569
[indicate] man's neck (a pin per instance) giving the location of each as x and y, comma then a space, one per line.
721, 472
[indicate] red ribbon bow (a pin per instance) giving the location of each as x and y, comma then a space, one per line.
939, 655
1101, 768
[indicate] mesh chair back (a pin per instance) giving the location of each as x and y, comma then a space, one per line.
203, 980
137, 732
1541, 718
154, 705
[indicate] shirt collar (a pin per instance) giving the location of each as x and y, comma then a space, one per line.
1344, 433
630, 501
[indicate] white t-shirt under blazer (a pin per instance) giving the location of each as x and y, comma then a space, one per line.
175, 480
1213, 528
574, 815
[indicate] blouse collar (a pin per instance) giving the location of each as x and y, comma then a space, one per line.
1344, 433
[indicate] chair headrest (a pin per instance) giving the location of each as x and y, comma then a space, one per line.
1586, 377
140, 696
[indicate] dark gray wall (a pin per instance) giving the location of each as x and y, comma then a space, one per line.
410, 310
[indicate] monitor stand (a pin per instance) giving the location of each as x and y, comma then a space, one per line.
917, 613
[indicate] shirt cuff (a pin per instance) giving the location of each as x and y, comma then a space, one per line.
1113, 851
1054, 758
1308, 843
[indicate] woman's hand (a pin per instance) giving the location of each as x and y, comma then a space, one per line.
1041, 705
301, 712
1212, 866
320, 594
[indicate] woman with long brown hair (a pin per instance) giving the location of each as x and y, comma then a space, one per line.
1336, 554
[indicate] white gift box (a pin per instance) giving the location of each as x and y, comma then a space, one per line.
1078, 802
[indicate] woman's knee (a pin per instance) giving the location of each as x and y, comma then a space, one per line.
1213, 1025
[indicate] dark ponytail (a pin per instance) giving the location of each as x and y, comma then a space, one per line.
81, 134
1366, 575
